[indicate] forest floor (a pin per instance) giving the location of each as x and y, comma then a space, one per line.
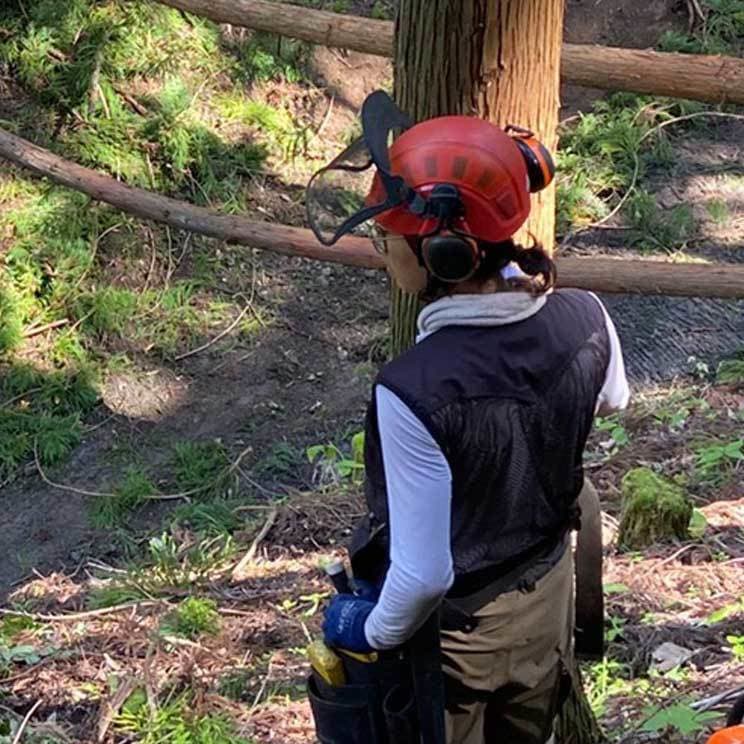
159, 392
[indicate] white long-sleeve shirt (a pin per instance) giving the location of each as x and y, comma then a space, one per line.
421, 569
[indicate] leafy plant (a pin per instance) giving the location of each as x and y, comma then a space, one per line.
714, 462
174, 721
737, 646
723, 613
618, 433
731, 371
679, 717
193, 617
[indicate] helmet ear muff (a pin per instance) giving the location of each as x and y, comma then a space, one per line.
450, 258
537, 158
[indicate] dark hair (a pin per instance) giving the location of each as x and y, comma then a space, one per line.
539, 269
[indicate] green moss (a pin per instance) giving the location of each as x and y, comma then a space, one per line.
654, 509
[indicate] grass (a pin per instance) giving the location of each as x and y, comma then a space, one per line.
604, 149
158, 99
722, 33
193, 617
106, 512
731, 371
202, 467
173, 721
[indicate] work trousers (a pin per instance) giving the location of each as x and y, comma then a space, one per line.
503, 680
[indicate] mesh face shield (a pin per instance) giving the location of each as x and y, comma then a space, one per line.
345, 196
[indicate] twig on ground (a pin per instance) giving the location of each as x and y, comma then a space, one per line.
20, 396
76, 616
38, 330
238, 571
674, 555
153, 497
218, 337
713, 700
110, 707
25, 721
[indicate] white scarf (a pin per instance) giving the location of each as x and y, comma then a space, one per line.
491, 309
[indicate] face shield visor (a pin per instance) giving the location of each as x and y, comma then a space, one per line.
344, 197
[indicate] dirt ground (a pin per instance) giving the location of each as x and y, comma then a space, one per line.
306, 380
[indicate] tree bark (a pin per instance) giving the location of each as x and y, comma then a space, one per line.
712, 79
599, 274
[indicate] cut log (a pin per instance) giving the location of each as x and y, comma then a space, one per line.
598, 274
713, 79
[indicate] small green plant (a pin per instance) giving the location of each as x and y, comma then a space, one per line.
716, 461
210, 519
236, 685
604, 680
615, 630
108, 511
382, 10
725, 612
193, 617
202, 468
655, 229
618, 433
679, 718
731, 371
737, 646
173, 721
331, 464
698, 524
281, 462
722, 32
718, 211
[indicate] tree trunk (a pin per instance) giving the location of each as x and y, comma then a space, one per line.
709, 78
600, 274
499, 60
577, 723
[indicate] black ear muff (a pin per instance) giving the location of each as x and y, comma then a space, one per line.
537, 157
450, 258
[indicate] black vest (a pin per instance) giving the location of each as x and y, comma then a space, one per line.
511, 407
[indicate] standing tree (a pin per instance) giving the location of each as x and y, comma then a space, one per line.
498, 59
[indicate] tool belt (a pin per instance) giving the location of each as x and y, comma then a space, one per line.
397, 699
471, 592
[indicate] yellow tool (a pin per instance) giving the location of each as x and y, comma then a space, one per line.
326, 663
370, 658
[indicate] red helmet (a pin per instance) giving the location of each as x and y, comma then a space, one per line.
734, 735
453, 175
489, 167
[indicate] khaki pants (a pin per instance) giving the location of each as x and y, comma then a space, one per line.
503, 679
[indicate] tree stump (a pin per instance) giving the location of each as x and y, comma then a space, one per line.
654, 509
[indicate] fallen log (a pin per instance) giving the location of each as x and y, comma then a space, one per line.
599, 274
709, 78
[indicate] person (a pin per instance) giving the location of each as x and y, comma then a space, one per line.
475, 436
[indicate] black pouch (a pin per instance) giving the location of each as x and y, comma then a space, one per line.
399, 709
344, 715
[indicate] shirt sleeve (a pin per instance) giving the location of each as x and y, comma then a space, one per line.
419, 494
615, 392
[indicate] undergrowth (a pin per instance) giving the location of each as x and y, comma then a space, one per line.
158, 99
173, 721
608, 154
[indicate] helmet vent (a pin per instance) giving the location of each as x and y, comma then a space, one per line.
431, 167
459, 166
485, 180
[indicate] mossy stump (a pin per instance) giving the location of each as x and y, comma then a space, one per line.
654, 509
